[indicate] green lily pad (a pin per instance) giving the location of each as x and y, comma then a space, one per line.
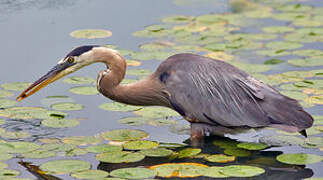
116, 106
5, 156
278, 29
133, 173
133, 63
237, 152
39, 154
280, 52
140, 144
79, 80
177, 19
2, 121
90, 174
308, 52
162, 122
313, 61
120, 157
153, 46
134, 121
49, 100
188, 152
103, 148
299, 158
252, 146
214, 172
294, 94
307, 23
58, 147
315, 141
91, 33
84, 90
283, 45
170, 145
16, 86
156, 112
8, 173
124, 135
294, 8
65, 166
220, 158
5, 103
60, 123
4, 93
18, 147
82, 140
14, 134
156, 152
225, 143
67, 106
281, 140
3, 165
76, 152
179, 170
242, 171
314, 99
273, 61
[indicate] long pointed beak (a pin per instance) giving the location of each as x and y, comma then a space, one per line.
54, 74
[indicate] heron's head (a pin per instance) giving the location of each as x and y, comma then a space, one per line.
73, 61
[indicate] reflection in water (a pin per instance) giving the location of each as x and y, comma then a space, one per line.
264, 159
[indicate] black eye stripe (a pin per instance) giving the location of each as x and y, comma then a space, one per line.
80, 50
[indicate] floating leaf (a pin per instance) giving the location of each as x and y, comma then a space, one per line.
5, 103
283, 45
4, 93
314, 99
79, 80
5, 156
60, 123
2, 121
14, 134
7, 173
281, 140
140, 144
315, 141
188, 152
91, 33
308, 52
133, 173
314, 61
116, 106
225, 143
27, 113
16, 86
133, 63
49, 100
65, 166
278, 29
76, 152
156, 152
3, 165
299, 158
49, 140
220, 158
214, 172
242, 171
82, 140
38, 154
280, 52
170, 145
252, 146
124, 135
134, 121
177, 19
18, 147
179, 170
58, 147
103, 148
156, 112
84, 90
90, 174
237, 152
120, 157
273, 61
67, 106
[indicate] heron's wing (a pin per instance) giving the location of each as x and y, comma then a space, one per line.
215, 92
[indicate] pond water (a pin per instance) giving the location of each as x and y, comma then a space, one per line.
36, 34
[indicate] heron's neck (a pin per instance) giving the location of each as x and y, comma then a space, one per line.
144, 92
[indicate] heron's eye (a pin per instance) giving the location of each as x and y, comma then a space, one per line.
70, 59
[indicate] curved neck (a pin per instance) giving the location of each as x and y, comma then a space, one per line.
144, 92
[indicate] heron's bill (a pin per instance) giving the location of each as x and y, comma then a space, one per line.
42, 82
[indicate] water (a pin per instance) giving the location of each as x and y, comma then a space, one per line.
35, 35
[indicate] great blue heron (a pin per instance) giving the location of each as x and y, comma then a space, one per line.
214, 96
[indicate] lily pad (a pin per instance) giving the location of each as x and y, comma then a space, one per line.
242, 171
49, 100
60, 123
313, 61
65, 166
156, 112
273, 61
91, 33
75, 152
16, 86
252, 146
220, 158
280, 52
299, 158
90, 174
188, 152
308, 52
278, 29
5, 103
170, 145
124, 135
134, 121
181, 170
4, 93
84, 90
156, 152
8, 173
214, 172
103, 148
177, 19
315, 141
281, 140
18, 147
49, 140
120, 157
14, 134
116, 106
82, 140
133, 63
283, 45
237, 152
79, 80
5, 156
39, 154
3, 165
58, 147
67, 106
133, 173
140, 144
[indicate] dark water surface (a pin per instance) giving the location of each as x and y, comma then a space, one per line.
35, 35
